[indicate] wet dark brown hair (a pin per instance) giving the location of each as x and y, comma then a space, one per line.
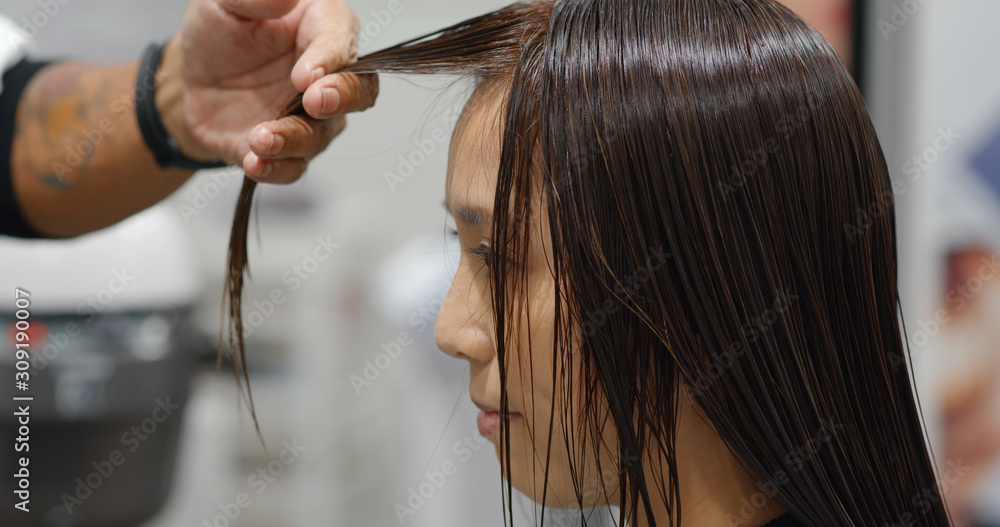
727, 136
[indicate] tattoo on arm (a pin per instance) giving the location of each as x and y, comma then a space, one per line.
58, 119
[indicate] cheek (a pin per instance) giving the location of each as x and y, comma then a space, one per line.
531, 379
535, 377
538, 391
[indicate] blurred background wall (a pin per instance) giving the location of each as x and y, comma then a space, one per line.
367, 423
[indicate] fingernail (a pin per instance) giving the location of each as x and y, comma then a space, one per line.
276, 144
316, 73
331, 99
263, 136
265, 170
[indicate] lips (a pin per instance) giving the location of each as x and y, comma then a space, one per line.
489, 419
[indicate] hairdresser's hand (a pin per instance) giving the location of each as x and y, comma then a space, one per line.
240, 61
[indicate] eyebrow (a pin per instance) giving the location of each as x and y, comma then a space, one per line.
472, 215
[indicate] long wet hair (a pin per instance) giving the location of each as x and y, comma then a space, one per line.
726, 137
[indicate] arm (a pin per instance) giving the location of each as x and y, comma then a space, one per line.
78, 160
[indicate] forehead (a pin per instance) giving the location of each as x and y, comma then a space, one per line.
474, 154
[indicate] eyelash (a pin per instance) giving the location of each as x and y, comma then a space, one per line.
482, 252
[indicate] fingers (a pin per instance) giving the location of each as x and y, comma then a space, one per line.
295, 136
327, 31
340, 93
327, 52
278, 171
258, 9
326, 34
280, 150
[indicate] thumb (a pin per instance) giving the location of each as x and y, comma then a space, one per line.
257, 9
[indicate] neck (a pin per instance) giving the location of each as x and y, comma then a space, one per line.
715, 490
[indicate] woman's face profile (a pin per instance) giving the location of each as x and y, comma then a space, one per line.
465, 326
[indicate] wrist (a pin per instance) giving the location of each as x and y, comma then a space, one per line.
170, 93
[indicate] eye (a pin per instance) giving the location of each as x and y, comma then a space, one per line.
482, 252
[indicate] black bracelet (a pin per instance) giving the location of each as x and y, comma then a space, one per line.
165, 149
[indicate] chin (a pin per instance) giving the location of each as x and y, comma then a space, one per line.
529, 482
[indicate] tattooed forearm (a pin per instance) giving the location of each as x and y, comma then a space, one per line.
58, 117
78, 160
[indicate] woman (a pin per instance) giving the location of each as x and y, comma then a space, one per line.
663, 298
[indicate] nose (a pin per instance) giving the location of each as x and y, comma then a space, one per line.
464, 324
